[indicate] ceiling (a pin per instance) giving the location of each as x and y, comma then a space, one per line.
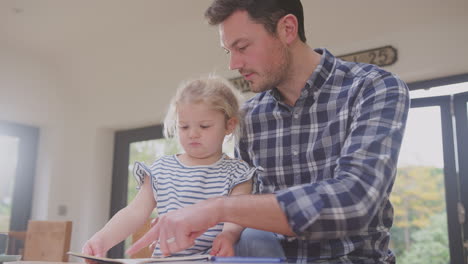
122, 47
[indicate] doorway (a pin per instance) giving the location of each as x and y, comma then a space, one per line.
18, 153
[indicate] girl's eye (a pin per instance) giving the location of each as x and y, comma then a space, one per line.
183, 127
204, 127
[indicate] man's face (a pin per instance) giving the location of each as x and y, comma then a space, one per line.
263, 59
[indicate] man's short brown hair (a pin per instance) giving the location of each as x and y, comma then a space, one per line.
265, 12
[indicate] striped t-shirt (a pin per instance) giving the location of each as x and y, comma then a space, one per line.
176, 185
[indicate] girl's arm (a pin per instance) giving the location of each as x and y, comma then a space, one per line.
123, 223
224, 242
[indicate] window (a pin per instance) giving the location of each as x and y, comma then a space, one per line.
8, 161
18, 144
427, 192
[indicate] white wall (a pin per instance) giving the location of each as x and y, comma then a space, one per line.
430, 36
78, 103
74, 156
29, 94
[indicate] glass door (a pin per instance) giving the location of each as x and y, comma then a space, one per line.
147, 152
424, 185
8, 162
122, 182
428, 193
18, 152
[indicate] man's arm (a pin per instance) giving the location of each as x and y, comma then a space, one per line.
186, 224
365, 171
255, 211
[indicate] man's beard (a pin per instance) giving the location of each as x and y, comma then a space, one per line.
274, 74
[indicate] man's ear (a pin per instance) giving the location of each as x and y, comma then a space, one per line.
287, 28
231, 125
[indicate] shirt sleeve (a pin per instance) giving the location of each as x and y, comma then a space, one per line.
140, 171
242, 173
364, 173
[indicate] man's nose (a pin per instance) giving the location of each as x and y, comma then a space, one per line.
235, 62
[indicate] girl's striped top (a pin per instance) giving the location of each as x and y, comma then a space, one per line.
176, 185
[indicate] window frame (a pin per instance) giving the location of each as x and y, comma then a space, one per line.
122, 142
461, 120
450, 174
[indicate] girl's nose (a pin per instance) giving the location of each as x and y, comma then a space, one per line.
194, 133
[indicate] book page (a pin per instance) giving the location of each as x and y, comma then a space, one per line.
140, 260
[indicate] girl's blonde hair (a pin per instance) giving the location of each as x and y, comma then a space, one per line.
214, 91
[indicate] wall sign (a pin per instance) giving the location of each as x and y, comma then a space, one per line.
383, 56
241, 84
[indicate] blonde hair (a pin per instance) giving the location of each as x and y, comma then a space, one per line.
214, 91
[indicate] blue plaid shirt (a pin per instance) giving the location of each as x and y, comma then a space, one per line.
331, 159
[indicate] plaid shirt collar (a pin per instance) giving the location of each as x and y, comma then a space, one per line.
316, 80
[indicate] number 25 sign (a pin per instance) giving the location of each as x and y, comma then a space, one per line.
383, 56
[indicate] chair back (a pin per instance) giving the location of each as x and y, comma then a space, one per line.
47, 241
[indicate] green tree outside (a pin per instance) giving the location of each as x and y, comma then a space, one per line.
5, 212
418, 195
429, 244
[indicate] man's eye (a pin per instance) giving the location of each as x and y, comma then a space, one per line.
242, 48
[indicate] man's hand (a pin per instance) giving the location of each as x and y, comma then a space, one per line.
178, 229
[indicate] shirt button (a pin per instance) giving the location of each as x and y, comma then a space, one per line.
295, 152
296, 115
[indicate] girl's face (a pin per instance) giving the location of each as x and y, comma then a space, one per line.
201, 132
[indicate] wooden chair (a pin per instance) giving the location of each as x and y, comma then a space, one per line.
47, 241
144, 252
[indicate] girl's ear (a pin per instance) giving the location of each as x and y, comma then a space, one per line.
231, 125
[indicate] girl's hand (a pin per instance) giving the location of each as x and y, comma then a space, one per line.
93, 248
223, 245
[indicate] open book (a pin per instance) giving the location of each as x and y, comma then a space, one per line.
142, 260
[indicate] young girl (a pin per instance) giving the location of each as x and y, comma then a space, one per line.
201, 115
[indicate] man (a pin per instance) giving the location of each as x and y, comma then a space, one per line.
324, 133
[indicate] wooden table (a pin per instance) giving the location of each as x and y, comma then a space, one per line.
171, 262
42, 262
79, 257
